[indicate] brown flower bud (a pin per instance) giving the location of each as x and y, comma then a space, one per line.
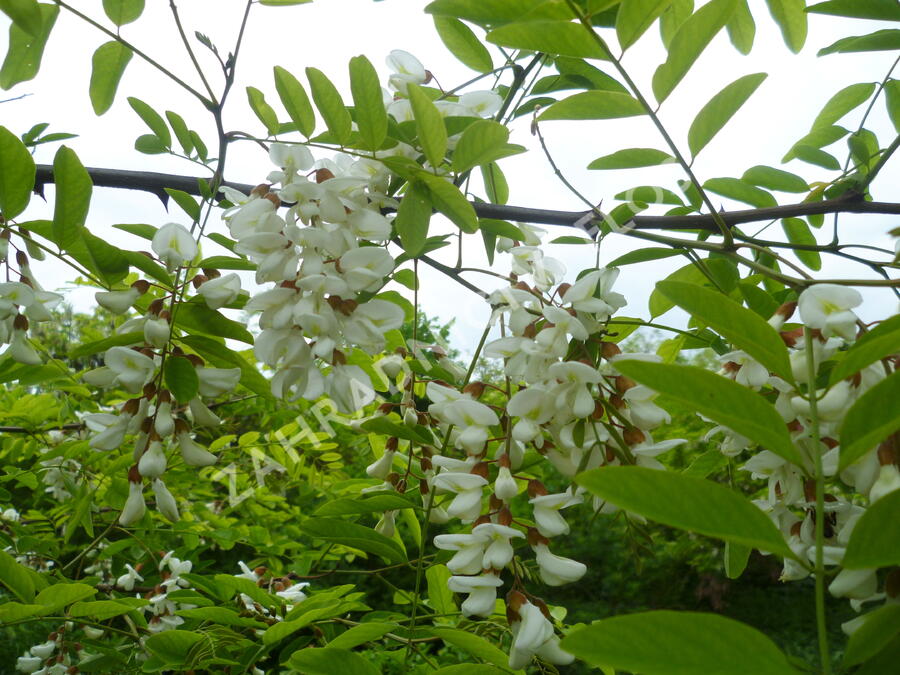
134, 476
536, 488
272, 197
323, 174
633, 436
260, 190
623, 383
141, 285
474, 389
480, 469
199, 280
156, 306
609, 350
20, 322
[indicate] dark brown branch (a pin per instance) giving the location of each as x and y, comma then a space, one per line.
851, 202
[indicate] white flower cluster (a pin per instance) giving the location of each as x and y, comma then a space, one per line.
22, 302
59, 654
827, 311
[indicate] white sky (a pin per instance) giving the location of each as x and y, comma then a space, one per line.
326, 34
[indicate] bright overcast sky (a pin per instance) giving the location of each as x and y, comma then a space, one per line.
326, 34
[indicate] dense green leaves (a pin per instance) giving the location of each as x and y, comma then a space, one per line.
430, 127
718, 398
25, 51
121, 12
721, 108
871, 419
330, 105
295, 101
677, 643
688, 43
594, 105
632, 158
371, 117
635, 17
875, 541
108, 65
745, 329
413, 218
463, 43
685, 502
17, 177
790, 15
73, 197
262, 110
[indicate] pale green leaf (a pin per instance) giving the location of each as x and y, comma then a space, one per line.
871, 419
73, 197
875, 540
672, 19
721, 108
718, 398
632, 158
430, 129
463, 43
741, 27
790, 15
330, 661
17, 176
475, 645
25, 51
740, 190
745, 329
880, 342
439, 595
413, 218
182, 133
16, 578
26, 14
562, 38
884, 10
152, 119
482, 142
58, 596
798, 232
635, 17
688, 43
448, 199
887, 39
677, 643
368, 105
484, 12
775, 179
121, 12
295, 101
843, 102
330, 105
262, 110
594, 105
364, 632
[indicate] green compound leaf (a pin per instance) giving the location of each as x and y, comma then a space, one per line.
677, 643
721, 108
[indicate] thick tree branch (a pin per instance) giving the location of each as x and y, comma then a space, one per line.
852, 202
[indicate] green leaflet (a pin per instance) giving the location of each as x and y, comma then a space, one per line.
26, 14
775, 179
121, 12
882, 40
16, 578
181, 378
364, 632
463, 43
722, 400
886, 10
883, 340
872, 418
448, 199
429, 126
330, 105
153, 120
879, 628
843, 102
336, 531
677, 643
182, 133
632, 158
330, 660
25, 51
371, 117
552, 37
721, 108
798, 232
413, 218
484, 12
635, 17
875, 541
790, 15
262, 110
73, 197
744, 328
295, 101
17, 177
739, 190
741, 27
688, 43
481, 143
475, 645
594, 105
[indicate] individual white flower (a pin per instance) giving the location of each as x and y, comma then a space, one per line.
133, 370
745, 370
405, 68
28, 663
165, 422
365, 268
350, 388
593, 294
174, 245
117, 302
533, 635
482, 590
153, 462
556, 570
294, 593
221, 291
646, 451
546, 513
126, 581
109, 430
473, 418
193, 453
217, 381
466, 505
505, 487
497, 538
888, 481
533, 407
134, 506
165, 502
381, 467
20, 349
469, 551
203, 415
642, 411
831, 405
43, 650
828, 308
386, 525
855, 584
291, 159
481, 103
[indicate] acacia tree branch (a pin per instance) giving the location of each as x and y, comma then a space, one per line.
850, 202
